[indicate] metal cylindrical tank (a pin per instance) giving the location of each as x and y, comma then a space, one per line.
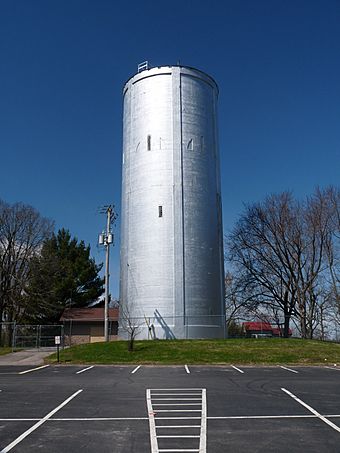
172, 277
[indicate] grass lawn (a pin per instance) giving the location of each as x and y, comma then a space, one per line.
4, 351
271, 351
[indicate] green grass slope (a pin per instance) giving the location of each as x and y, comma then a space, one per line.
4, 351
270, 351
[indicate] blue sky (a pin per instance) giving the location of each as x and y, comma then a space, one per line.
63, 65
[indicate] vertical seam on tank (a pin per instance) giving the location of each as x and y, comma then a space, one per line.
182, 197
127, 273
219, 213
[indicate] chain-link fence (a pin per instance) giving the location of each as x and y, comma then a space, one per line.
172, 327
36, 336
205, 326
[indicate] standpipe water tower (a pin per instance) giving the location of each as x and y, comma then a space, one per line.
172, 277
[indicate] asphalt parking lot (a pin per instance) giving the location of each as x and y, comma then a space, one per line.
150, 409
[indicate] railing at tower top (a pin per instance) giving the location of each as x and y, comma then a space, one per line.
144, 66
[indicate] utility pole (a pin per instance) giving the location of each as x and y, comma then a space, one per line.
106, 239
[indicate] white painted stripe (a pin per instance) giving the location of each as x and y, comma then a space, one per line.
332, 368
178, 418
39, 423
176, 399
19, 419
288, 369
136, 369
174, 394
237, 369
259, 417
97, 419
203, 439
33, 369
313, 411
85, 369
152, 424
178, 410
178, 437
169, 390
187, 369
176, 450
176, 404
178, 426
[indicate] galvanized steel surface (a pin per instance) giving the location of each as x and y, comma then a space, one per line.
171, 242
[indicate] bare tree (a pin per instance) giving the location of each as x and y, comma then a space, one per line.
130, 324
240, 299
286, 252
262, 248
22, 231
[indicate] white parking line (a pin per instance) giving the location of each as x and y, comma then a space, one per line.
39, 423
313, 411
195, 432
185, 394
177, 437
237, 369
136, 369
189, 389
203, 440
187, 369
177, 426
119, 419
177, 399
176, 404
179, 410
85, 369
332, 368
288, 369
33, 369
152, 424
176, 450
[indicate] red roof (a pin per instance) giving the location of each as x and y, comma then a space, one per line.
257, 326
88, 314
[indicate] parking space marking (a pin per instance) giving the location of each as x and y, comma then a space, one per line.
288, 369
189, 389
203, 439
119, 419
196, 432
178, 399
85, 369
187, 369
136, 369
177, 404
39, 423
19, 419
313, 411
176, 450
332, 368
237, 369
33, 369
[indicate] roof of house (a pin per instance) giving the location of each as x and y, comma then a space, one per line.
88, 314
257, 326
